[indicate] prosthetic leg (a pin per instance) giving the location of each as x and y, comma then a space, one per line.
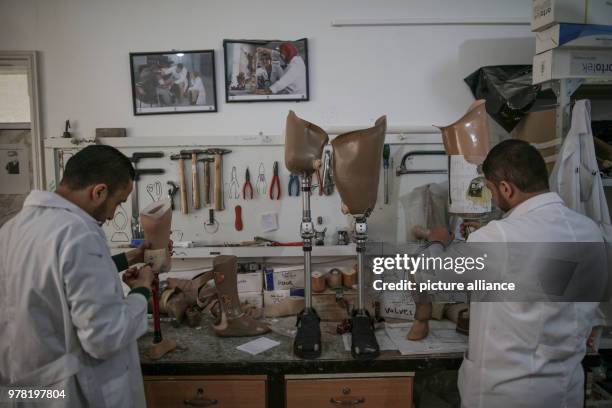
155, 221
356, 164
304, 143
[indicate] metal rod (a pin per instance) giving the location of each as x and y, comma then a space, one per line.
306, 232
361, 302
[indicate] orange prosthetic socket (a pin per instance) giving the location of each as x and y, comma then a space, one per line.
304, 143
156, 220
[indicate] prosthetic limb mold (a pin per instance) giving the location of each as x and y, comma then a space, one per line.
356, 163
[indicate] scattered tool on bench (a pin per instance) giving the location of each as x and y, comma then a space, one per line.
247, 188
294, 185
172, 189
207, 161
195, 185
275, 184
217, 154
182, 184
136, 157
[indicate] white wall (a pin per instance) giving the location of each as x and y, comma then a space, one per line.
413, 74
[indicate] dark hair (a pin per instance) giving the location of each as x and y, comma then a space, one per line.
517, 162
98, 164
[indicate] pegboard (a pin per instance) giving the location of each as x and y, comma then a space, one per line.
388, 222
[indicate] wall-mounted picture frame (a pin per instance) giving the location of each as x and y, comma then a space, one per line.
266, 71
173, 82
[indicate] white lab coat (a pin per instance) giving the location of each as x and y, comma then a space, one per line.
528, 355
575, 176
293, 80
65, 321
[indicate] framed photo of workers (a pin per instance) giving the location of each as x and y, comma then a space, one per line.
173, 82
266, 71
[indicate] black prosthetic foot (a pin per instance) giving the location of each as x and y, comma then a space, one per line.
307, 343
364, 345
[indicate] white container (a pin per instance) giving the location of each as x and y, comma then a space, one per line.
545, 13
287, 277
251, 298
277, 296
574, 36
562, 63
250, 282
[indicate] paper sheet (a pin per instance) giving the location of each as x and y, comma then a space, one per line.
258, 346
442, 338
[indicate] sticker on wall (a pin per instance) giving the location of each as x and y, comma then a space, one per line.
14, 169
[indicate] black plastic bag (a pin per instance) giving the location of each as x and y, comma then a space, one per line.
507, 90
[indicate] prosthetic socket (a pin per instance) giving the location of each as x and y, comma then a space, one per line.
304, 143
156, 220
356, 164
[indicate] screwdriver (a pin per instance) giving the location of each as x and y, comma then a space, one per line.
386, 154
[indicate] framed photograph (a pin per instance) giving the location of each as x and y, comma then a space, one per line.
266, 71
173, 82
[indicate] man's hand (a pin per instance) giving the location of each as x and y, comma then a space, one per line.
139, 277
468, 227
440, 233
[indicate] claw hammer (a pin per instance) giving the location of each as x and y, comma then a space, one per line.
217, 153
195, 188
182, 185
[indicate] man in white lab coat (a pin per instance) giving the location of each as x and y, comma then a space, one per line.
293, 77
65, 322
523, 354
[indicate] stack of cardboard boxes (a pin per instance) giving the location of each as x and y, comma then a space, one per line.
573, 39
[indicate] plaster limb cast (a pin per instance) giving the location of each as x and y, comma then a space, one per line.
156, 220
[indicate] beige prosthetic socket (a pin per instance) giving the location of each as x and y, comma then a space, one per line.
156, 220
356, 165
304, 143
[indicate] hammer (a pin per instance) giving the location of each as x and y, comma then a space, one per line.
207, 161
195, 189
181, 172
217, 153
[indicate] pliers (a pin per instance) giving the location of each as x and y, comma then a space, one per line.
248, 187
275, 183
294, 185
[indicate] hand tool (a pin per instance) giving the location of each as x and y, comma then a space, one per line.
328, 182
238, 221
275, 183
171, 192
136, 157
403, 170
386, 154
320, 181
218, 153
182, 184
247, 188
207, 161
262, 185
195, 185
211, 226
234, 192
269, 242
294, 185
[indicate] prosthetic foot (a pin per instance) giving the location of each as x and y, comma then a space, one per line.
356, 164
420, 327
233, 322
304, 143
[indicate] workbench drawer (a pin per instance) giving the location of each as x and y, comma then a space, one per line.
388, 392
217, 392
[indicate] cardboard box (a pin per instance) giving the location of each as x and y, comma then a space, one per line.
574, 36
251, 298
250, 282
545, 13
562, 63
287, 277
277, 296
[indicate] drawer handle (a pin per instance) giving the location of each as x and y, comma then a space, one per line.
346, 401
200, 401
